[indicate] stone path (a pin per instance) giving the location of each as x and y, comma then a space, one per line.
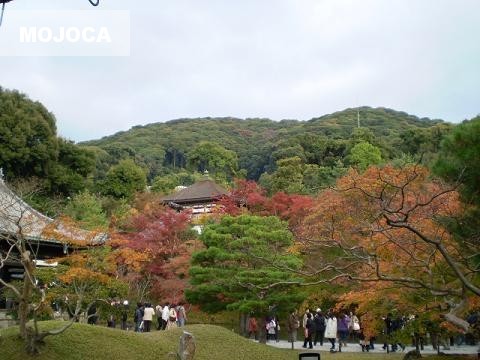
351, 347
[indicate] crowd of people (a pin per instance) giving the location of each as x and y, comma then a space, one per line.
167, 317
336, 328
319, 326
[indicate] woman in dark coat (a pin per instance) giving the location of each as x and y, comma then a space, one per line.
320, 323
309, 330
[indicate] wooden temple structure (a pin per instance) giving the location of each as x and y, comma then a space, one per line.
200, 198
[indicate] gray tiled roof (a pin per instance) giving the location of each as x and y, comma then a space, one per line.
17, 217
204, 190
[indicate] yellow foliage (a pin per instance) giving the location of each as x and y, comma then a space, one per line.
81, 274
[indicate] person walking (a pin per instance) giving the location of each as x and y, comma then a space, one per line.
320, 323
343, 325
123, 325
354, 326
277, 328
331, 329
397, 325
148, 314
111, 322
181, 315
138, 318
292, 326
270, 326
252, 327
304, 319
172, 318
364, 342
165, 316
308, 331
158, 314
388, 329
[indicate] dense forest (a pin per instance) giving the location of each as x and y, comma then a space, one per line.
320, 148
290, 155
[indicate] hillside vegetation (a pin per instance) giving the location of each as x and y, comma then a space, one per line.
290, 156
259, 143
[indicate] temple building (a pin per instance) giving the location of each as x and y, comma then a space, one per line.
200, 197
46, 238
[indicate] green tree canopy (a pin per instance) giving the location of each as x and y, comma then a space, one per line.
287, 151
165, 184
244, 255
362, 134
29, 147
87, 209
68, 175
458, 162
317, 177
124, 179
28, 141
423, 141
289, 176
365, 154
214, 158
459, 159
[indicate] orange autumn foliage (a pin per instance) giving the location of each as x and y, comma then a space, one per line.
365, 228
374, 301
80, 274
126, 258
383, 232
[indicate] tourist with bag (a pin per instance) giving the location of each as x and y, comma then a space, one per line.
172, 318
270, 327
331, 329
354, 326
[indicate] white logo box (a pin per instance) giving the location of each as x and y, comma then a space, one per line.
65, 33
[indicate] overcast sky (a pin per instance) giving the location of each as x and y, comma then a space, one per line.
281, 59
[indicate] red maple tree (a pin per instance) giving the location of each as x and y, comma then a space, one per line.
163, 234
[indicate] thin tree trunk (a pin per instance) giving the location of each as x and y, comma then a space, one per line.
243, 324
23, 313
24, 303
262, 331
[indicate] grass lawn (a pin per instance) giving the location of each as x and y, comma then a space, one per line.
96, 342
451, 357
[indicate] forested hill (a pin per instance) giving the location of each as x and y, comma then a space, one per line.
260, 143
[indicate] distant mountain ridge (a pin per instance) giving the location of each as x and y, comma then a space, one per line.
347, 117
253, 139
